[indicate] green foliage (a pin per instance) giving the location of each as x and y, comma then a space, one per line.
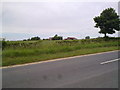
108, 21
18, 52
4, 44
87, 37
35, 38
56, 37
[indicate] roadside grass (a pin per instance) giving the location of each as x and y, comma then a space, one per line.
34, 51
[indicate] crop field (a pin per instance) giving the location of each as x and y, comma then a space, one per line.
20, 52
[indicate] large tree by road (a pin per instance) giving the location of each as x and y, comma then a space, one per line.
108, 22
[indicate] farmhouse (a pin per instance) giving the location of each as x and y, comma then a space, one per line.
50, 38
71, 38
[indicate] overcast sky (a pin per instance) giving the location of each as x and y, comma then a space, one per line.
45, 19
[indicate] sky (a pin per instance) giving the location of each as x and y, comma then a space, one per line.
22, 20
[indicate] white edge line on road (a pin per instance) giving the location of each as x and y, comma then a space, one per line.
110, 61
56, 59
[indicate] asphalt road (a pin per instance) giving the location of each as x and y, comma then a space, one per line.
79, 72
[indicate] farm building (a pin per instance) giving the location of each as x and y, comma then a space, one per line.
71, 38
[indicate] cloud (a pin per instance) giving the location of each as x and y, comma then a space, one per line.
52, 17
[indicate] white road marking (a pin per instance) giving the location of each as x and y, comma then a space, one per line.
110, 61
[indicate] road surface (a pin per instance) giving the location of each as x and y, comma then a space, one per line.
92, 71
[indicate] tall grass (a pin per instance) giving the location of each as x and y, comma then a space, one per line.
17, 52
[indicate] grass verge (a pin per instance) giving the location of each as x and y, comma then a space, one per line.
8, 61
21, 52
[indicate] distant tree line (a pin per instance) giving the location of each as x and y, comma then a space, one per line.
33, 38
56, 37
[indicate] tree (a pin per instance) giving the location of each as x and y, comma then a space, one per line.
87, 37
56, 37
24, 40
35, 38
108, 22
3, 44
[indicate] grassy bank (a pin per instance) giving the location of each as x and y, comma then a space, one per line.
20, 52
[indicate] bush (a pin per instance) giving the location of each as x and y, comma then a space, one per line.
87, 37
35, 38
56, 37
4, 44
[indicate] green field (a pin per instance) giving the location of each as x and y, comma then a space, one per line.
20, 52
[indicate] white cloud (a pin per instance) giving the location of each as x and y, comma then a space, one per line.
47, 17
60, 0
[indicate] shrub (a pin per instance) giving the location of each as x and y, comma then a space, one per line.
87, 37
56, 37
4, 44
35, 38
